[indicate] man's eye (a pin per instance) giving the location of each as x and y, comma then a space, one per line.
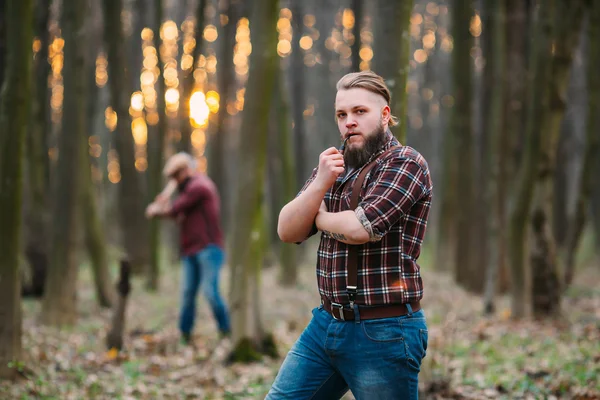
341, 115
360, 111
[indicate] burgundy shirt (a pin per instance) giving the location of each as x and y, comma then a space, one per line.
197, 210
393, 207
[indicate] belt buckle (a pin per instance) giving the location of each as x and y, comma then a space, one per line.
340, 308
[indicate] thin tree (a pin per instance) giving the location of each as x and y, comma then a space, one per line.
537, 79
249, 336
134, 227
546, 279
156, 144
14, 103
189, 81
59, 305
282, 182
297, 72
93, 227
467, 273
357, 9
217, 169
592, 144
36, 217
493, 202
394, 24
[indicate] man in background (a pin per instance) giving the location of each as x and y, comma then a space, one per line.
197, 211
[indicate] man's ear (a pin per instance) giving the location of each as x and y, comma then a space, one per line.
386, 114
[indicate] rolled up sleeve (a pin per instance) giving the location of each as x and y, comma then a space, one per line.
398, 184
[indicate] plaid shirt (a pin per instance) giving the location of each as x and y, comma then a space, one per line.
393, 207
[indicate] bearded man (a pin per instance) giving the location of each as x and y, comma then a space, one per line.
370, 200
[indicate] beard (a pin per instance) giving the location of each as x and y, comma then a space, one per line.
356, 157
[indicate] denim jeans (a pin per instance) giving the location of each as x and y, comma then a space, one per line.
201, 271
375, 359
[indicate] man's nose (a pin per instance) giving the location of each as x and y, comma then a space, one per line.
350, 122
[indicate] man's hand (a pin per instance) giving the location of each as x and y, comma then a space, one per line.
151, 210
156, 209
331, 165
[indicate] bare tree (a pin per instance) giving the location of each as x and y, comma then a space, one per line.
134, 227
539, 61
217, 165
14, 103
467, 273
188, 80
59, 305
394, 24
493, 202
156, 144
592, 144
249, 336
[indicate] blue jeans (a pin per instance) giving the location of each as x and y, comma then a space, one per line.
375, 359
201, 270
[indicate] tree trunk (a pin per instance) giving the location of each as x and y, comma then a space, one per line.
248, 237
326, 74
591, 146
298, 85
93, 227
537, 80
59, 305
467, 273
357, 8
37, 162
217, 162
493, 201
394, 25
134, 228
283, 177
156, 144
189, 82
2, 41
546, 290
135, 57
114, 338
516, 14
14, 105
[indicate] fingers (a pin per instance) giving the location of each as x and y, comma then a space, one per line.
329, 151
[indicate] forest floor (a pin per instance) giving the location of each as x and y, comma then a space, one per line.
468, 357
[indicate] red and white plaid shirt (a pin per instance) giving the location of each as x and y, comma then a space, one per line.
393, 207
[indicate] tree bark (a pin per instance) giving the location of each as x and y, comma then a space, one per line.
516, 18
217, 165
466, 272
37, 162
493, 202
282, 178
14, 105
114, 338
537, 79
248, 237
189, 82
546, 289
59, 305
298, 84
592, 145
394, 24
357, 8
156, 144
134, 227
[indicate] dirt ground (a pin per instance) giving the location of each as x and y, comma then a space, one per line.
469, 356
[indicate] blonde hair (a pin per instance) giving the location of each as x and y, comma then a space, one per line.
370, 81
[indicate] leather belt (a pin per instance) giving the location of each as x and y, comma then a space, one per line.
343, 313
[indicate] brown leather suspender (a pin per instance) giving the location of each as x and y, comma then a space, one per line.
352, 263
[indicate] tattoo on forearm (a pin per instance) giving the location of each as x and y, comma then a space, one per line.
336, 236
